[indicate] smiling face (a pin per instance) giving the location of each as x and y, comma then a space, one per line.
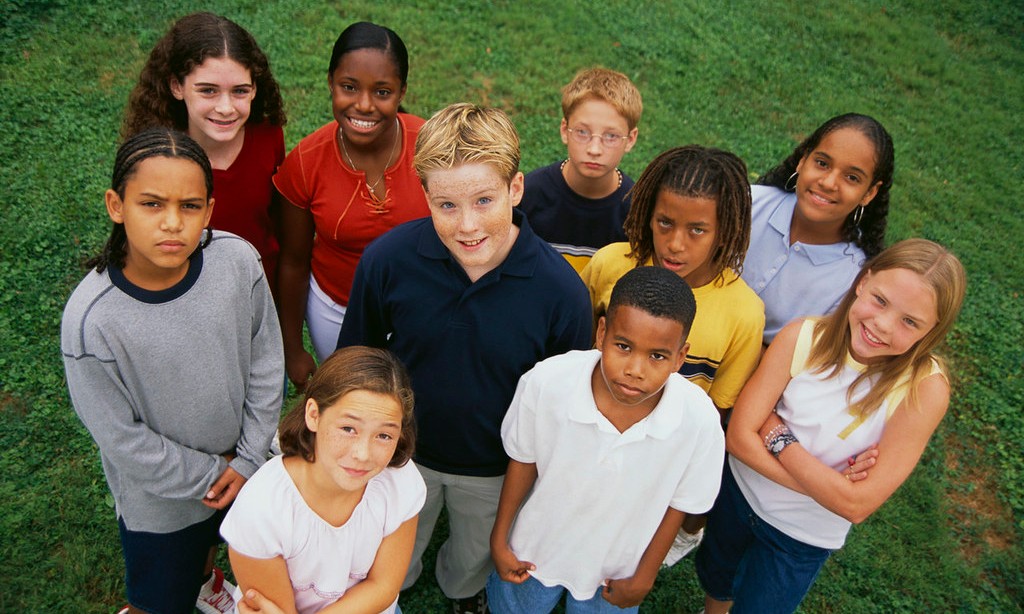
356, 437
164, 212
593, 161
471, 208
894, 309
639, 352
685, 232
366, 91
832, 181
218, 95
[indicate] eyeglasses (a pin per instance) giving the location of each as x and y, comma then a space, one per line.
608, 139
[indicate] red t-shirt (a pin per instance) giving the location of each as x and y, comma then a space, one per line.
347, 217
242, 192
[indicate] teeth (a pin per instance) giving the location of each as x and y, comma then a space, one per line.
358, 123
472, 243
871, 338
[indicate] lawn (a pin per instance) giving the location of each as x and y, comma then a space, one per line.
751, 76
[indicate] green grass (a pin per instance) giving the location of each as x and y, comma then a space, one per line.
945, 77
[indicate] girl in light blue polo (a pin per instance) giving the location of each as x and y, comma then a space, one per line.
816, 218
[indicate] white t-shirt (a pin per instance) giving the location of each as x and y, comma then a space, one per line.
601, 494
270, 518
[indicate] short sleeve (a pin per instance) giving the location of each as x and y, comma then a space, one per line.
290, 179
518, 426
257, 522
698, 487
407, 492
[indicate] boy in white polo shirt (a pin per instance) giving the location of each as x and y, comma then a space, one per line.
617, 448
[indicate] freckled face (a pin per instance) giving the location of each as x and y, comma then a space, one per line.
218, 95
471, 208
164, 212
685, 233
639, 352
356, 437
834, 179
894, 310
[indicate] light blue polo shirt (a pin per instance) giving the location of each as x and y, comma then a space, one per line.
793, 280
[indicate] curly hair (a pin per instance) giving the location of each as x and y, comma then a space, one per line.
190, 41
699, 172
154, 142
870, 237
655, 291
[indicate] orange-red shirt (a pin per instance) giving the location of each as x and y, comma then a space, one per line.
346, 215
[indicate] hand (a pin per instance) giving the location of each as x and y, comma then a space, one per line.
625, 592
225, 489
859, 466
255, 603
300, 366
509, 567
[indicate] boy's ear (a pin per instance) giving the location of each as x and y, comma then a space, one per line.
602, 328
631, 139
177, 90
115, 206
515, 189
680, 356
312, 415
563, 130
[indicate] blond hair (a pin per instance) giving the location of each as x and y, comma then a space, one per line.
465, 133
609, 86
944, 274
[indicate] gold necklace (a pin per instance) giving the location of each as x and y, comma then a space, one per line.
391, 158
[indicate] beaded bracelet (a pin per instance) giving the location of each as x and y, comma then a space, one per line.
779, 442
775, 431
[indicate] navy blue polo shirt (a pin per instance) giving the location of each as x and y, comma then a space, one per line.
465, 344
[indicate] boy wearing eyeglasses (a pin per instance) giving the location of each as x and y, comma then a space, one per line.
578, 205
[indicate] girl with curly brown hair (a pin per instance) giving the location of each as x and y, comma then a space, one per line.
208, 77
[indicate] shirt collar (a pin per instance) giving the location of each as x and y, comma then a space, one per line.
663, 420
782, 217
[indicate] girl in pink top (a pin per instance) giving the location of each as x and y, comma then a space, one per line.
209, 78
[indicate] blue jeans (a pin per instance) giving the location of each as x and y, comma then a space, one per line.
746, 560
533, 597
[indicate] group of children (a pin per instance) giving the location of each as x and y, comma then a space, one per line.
570, 406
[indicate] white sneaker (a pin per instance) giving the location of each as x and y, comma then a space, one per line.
682, 545
215, 596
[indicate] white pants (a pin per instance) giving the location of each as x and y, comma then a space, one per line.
323, 317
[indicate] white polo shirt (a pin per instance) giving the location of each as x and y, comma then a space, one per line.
601, 494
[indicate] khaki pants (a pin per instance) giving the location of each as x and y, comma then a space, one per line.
464, 560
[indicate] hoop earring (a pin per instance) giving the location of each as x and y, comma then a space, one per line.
858, 213
790, 188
